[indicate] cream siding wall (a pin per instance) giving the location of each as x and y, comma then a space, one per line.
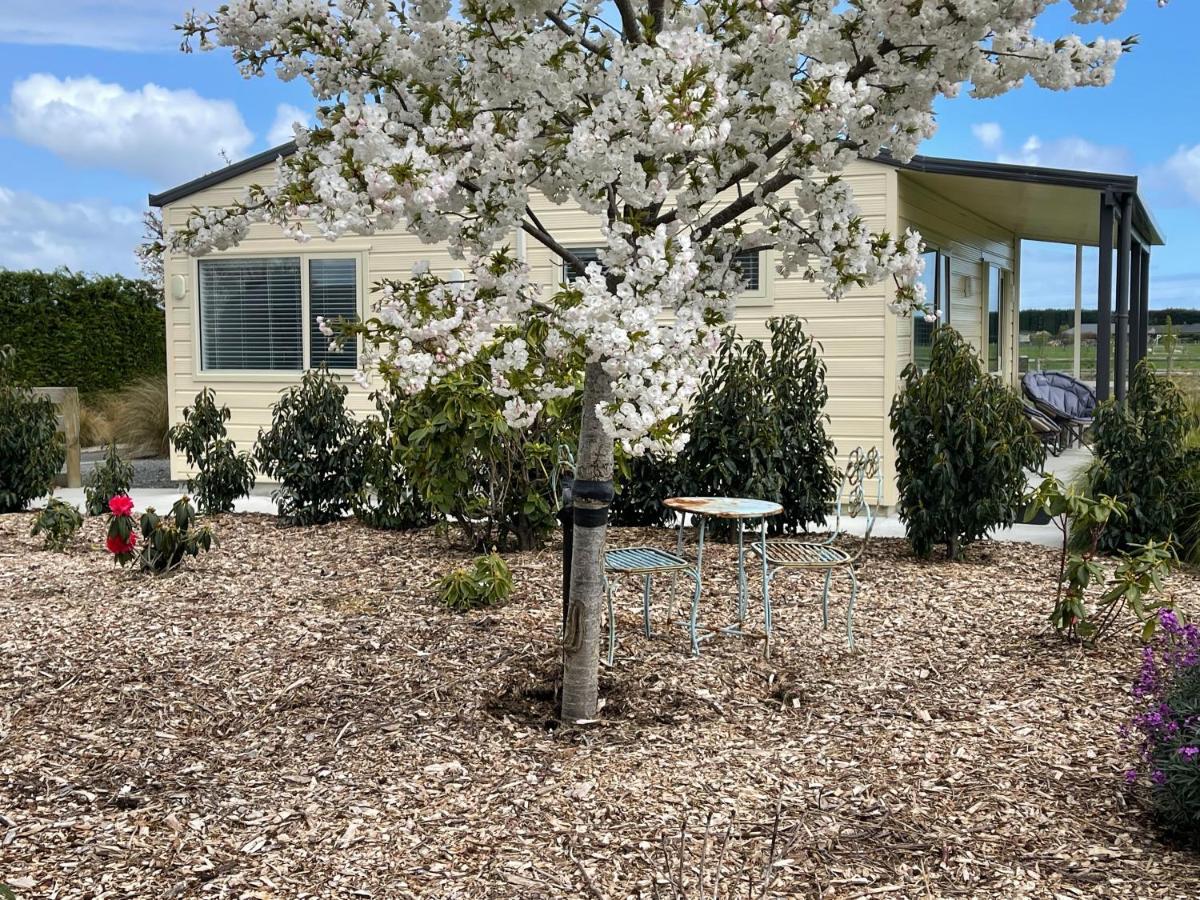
857, 334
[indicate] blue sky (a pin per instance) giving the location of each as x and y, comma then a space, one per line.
98, 107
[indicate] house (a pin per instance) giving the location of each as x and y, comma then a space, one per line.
241, 321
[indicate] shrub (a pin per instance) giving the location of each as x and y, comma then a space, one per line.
94, 427
59, 522
139, 417
93, 333
962, 448
1136, 583
166, 541
113, 477
388, 499
314, 449
1166, 726
757, 429
222, 474
459, 452
1142, 459
31, 448
487, 582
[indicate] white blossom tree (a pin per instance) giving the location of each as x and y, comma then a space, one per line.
692, 130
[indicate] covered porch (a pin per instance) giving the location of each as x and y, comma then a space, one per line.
1083, 209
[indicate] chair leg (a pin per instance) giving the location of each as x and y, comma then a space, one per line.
825, 599
695, 612
612, 622
850, 608
646, 605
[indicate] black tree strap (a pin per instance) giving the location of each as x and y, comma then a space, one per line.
591, 517
601, 491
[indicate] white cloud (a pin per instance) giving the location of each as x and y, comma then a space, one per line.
990, 134
132, 25
1178, 178
86, 235
286, 115
163, 135
1071, 153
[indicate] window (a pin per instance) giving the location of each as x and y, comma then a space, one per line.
748, 264
995, 328
936, 278
586, 255
252, 312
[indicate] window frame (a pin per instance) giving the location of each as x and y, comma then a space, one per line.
279, 376
996, 272
942, 298
763, 295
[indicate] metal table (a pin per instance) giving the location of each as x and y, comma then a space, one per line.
740, 509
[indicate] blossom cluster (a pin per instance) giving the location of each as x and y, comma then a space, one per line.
692, 131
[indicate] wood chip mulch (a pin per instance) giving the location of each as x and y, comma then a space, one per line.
292, 716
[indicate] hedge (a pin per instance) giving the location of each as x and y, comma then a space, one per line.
92, 332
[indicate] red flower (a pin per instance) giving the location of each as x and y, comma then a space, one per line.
116, 546
120, 505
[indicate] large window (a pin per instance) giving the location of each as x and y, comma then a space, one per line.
995, 305
936, 278
253, 312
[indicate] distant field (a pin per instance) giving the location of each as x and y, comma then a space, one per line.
1186, 359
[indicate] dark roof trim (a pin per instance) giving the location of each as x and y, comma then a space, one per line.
1069, 178
933, 165
170, 195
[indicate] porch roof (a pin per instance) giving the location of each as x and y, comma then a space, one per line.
1041, 204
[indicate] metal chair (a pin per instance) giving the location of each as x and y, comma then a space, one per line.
647, 562
778, 555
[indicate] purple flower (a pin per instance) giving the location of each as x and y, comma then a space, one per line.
1159, 777
1130, 776
1189, 753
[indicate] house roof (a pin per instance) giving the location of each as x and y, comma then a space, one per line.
1059, 204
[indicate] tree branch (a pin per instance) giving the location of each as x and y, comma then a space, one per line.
745, 203
547, 240
586, 43
629, 22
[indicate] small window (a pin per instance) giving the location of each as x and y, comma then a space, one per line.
253, 311
586, 255
332, 294
936, 278
748, 265
995, 330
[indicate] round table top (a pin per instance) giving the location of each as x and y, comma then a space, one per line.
724, 507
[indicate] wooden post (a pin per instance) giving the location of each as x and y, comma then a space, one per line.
1104, 283
67, 401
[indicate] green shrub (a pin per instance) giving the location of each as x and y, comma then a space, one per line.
1136, 584
314, 449
487, 582
388, 499
59, 522
31, 448
93, 333
166, 541
963, 446
642, 484
111, 478
1142, 460
222, 474
468, 463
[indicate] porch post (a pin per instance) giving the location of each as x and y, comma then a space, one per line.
1104, 298
1078, 310
1143, 337
1124, 238
1136, 324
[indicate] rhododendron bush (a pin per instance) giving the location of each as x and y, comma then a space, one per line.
692, 130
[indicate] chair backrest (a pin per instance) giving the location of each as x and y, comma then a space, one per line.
862, 469
1061, 392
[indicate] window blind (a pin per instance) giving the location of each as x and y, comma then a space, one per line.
332, 294
747, 264
250, 314
586, 255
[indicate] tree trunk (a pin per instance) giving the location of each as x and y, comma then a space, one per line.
592, 495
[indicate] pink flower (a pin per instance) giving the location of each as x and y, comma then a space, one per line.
120, 505
116, 546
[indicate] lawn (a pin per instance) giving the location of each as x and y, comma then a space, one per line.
291, 716
1185, 362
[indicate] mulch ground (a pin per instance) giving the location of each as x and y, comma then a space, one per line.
292, 716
